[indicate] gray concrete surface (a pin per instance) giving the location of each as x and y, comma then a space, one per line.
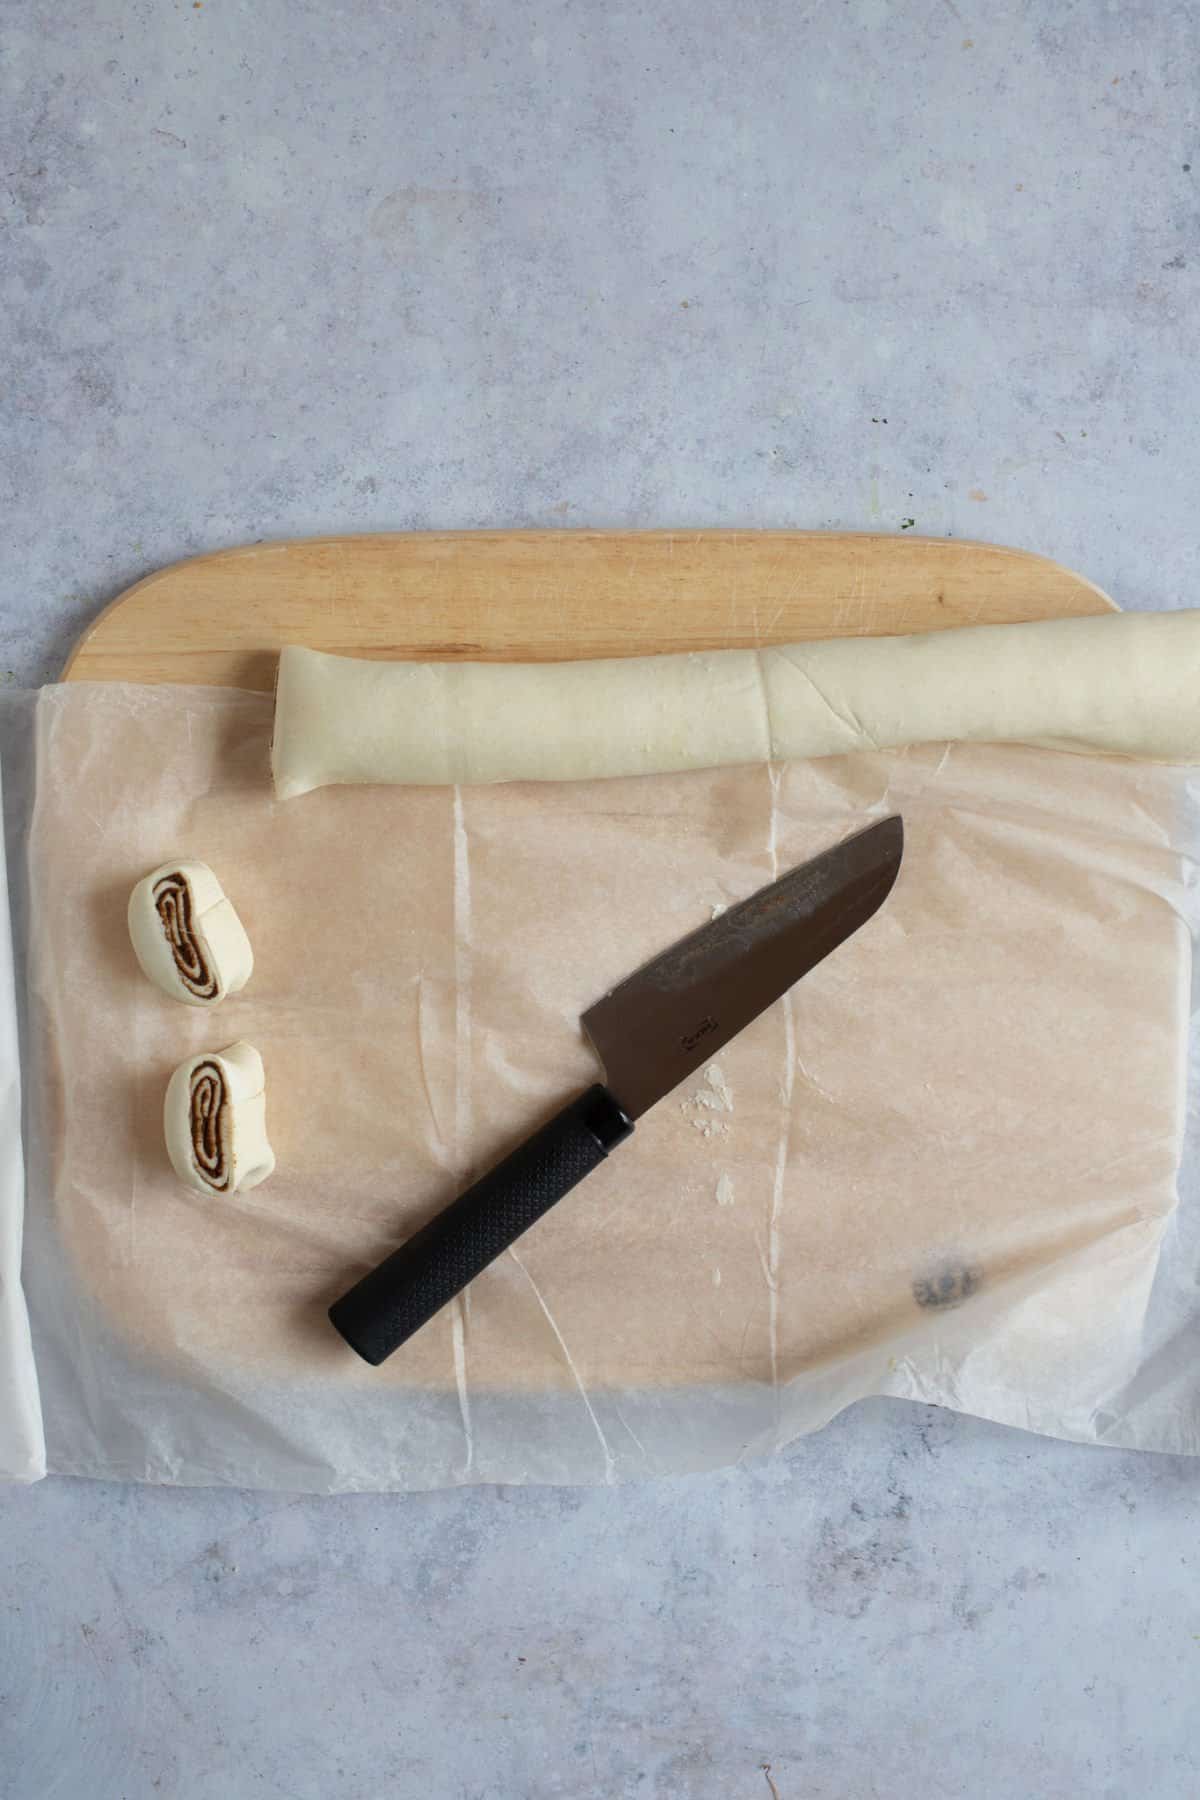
276, 268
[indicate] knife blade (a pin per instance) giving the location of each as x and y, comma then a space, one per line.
651, 1032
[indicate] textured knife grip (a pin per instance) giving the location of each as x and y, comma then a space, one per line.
405, 1291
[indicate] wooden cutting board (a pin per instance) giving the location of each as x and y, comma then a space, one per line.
507, 596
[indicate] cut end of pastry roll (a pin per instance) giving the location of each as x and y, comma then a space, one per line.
187, 936
215, 1120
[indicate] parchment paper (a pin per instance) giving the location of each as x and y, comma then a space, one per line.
942, 1168
22, 1446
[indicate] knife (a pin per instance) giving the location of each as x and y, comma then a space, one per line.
650, 1033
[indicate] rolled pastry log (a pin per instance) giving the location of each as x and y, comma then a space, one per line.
187, 936
1124, 682
215, 1119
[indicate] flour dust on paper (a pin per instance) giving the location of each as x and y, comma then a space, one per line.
707, 1110
703, 1108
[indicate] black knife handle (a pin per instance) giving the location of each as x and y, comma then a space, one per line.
379, 1312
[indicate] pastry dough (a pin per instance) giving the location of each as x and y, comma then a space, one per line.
1126, 682
215, 1120
187, 936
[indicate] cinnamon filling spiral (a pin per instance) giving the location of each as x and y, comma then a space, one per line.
209, 1113
173, 903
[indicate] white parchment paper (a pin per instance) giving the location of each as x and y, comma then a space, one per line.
946, 1167
22, 1445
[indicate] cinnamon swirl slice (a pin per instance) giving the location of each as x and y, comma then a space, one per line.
215, 1120
187, 936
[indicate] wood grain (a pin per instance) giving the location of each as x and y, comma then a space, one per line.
511, 596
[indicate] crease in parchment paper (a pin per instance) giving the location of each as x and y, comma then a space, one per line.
767, 734
423, 1029
610, 1467
460, 1312
460, 1307
462, 991
787, 1084
953, 1153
